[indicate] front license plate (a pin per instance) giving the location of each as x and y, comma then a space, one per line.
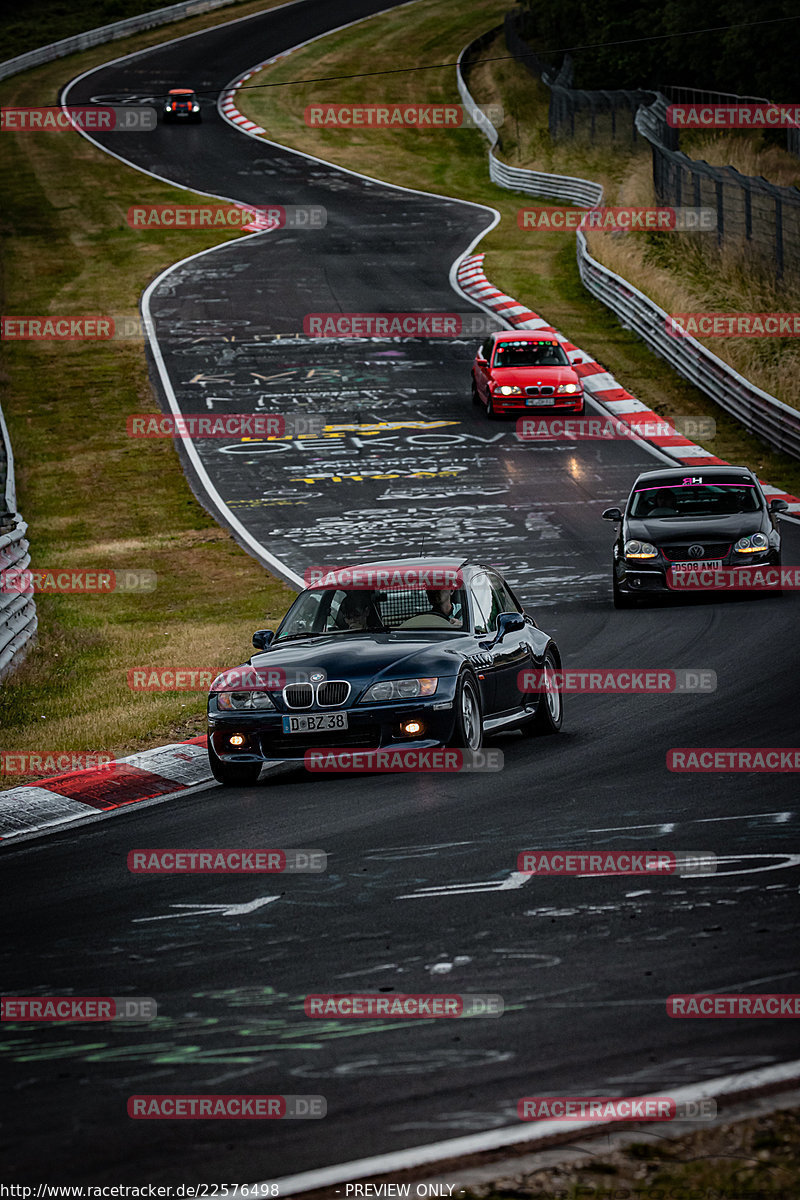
315, 723
710, 564
539, 402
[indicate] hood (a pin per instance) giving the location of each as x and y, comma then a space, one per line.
528, 376
665, 531
353, 656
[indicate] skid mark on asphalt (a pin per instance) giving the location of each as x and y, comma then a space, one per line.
422, 1063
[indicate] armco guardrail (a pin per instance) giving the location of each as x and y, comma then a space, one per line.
764, 415
17, 612
107, 33
516, 179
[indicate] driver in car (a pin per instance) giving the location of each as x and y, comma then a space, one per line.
441, 602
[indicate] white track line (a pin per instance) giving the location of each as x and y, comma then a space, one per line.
525, 1134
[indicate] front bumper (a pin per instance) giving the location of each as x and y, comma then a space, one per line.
370, 727
519, 404
649, 578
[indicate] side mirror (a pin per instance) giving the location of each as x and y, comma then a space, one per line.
612, 514
262, 638
777, 505
509, 622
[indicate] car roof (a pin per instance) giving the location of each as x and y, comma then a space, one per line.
441, 563
684, 469
428, 561
181, 91
523, 335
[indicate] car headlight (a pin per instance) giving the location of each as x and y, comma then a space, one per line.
566, 388
195, 108
634, 549
243, 701
399, 689
508, 389
752, 544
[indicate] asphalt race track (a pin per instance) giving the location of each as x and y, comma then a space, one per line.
584, 965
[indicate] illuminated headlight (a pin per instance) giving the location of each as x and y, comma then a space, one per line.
399, 689
195, 108
752, 544
566, 389
508, 389
640, 550
243, 701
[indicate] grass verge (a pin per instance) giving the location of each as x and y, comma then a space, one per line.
680, 272
753, 1159
537, 269
46, 21
92, 497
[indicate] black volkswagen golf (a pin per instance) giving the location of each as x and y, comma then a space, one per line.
678, 520
404, 663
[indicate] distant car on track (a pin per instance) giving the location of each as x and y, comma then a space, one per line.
182, 105
683, 519
384, 668
516, 371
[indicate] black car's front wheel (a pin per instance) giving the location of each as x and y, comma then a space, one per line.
232, 774
468, 731
550, 709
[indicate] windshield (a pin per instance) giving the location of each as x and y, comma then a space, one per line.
695, 500
337, 610
530, 354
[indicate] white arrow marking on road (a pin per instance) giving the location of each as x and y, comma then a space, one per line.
219, 910
515, 880
775, 862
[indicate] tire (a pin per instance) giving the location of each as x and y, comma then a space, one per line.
550, 711
475, 397
491, 411
468, 731
620, 599
233, 774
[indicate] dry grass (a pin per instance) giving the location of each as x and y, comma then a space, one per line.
679, 272
749, 153
92, 497
538, 269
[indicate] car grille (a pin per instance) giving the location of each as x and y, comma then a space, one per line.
332, 692
298, 695
710, 550
294, 745
539, 391
327, 694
